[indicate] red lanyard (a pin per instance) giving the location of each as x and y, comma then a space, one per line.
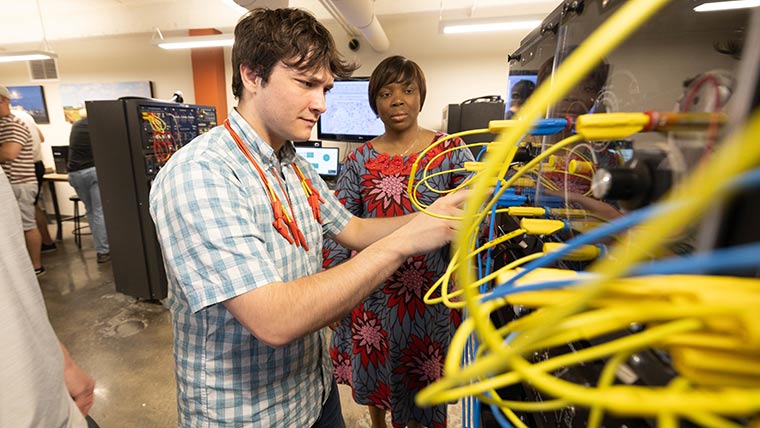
284, 222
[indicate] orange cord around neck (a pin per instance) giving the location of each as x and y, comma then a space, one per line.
284, 223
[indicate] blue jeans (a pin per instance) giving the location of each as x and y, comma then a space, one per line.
332, 415
85, 182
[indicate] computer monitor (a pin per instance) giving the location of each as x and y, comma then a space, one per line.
326, 160
349, 116
61, 159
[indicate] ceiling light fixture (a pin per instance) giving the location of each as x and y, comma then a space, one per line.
26, 56
726, 5
478, 25
191, 42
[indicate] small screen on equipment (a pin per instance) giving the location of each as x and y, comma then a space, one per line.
349, 116
324, 159
521, 83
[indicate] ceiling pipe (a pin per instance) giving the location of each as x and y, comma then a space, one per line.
335, 13
348, 13
269, 4
361, 14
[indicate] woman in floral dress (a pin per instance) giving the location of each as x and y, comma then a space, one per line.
393, 345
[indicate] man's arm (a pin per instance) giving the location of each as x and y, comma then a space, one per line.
280, 313
9, 151
360, 233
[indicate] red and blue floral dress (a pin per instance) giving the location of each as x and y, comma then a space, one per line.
393, 344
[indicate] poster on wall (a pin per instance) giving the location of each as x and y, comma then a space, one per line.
73, 95
30, 99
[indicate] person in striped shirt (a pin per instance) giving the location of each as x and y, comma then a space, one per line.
17, 160
48, 244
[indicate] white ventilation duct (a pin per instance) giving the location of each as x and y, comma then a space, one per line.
269, 4
357, 13
361, 14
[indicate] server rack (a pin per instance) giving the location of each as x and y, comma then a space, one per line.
131, 141
653, 70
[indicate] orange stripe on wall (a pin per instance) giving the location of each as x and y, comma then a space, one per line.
208, 75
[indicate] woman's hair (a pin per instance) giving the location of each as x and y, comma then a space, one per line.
521, 91
396, 69
264, 37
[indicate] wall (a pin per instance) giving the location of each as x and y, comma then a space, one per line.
100, 60
457, 67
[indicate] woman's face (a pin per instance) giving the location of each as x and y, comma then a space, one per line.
398, 105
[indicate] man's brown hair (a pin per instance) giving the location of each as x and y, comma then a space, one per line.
264, 37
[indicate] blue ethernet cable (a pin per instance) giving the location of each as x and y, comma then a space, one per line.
491, 232
500, 419
738, 257
615, 226
502, 291
721, 260
549, 126
746, 180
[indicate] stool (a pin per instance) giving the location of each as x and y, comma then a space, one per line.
78, 228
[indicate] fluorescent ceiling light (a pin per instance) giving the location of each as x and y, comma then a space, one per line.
190, 42
26, 56
727, 5
490, 24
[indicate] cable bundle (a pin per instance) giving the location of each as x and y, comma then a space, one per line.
709, 325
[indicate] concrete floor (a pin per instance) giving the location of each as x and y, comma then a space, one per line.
125, 344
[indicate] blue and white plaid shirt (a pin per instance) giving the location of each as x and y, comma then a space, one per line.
214, 224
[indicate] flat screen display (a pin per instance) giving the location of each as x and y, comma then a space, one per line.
325, 160
349, 116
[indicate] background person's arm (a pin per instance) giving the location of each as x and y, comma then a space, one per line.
9, 151
594, 206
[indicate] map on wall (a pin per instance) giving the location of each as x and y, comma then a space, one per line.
73, 95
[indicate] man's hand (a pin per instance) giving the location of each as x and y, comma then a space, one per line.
425, 233
81, 387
